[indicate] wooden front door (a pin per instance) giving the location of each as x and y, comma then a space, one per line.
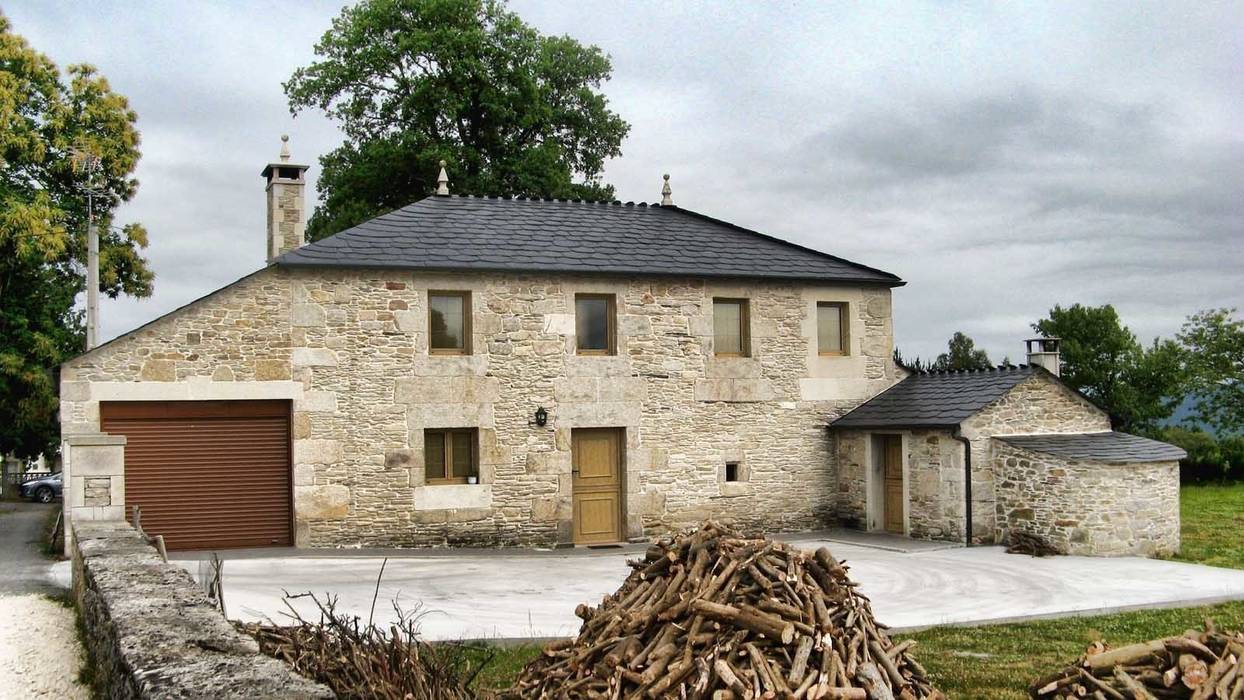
597, 488
893, 456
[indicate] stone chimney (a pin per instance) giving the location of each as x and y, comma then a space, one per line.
287, 220
1043, 352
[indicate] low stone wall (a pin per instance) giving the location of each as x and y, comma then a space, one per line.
1088, 507
151, 632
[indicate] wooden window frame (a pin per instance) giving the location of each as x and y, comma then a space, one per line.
466, 322
745, 326
611, 323
844, 328
472, 433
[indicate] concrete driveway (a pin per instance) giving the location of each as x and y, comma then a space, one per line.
471, 595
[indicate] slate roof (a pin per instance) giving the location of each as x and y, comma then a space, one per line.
936, 399
1099, 447
519, 234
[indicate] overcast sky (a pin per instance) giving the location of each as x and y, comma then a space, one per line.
1000, 158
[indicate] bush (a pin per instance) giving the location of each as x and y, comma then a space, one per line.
1209, 459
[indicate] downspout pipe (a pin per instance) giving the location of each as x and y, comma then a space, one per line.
967, 483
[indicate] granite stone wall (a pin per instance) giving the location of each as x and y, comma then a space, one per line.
1037, 405
350, 349
1088, 507
152, 633
934, 470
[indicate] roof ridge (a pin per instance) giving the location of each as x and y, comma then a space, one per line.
559, 200
999, 370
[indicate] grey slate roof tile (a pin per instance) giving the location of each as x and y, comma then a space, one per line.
532, 235
1118, 448
935, 399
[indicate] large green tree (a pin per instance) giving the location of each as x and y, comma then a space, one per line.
1214, 341
961, 354
413, 82
59, 137
1139, 386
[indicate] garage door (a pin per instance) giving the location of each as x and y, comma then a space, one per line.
207, 474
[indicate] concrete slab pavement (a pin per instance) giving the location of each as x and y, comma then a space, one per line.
514, 595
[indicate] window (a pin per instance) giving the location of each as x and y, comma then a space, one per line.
732, 472
594, 324
730, 336
449, 323
832, 323
450, 456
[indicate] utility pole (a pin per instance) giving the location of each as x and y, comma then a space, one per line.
92, 277
89, 164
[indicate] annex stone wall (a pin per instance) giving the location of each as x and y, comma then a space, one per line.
350, 349
152, 633
934, 470
1037, 405
1088, 507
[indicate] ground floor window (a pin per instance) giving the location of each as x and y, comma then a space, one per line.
451, 456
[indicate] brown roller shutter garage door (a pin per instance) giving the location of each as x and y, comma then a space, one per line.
207, 474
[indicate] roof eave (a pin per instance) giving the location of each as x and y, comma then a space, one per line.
344, 265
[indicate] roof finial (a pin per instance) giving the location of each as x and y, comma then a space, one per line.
665, 192
442, 181
284, 148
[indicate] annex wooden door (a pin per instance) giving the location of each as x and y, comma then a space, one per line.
893, 456
207, 474
596, 454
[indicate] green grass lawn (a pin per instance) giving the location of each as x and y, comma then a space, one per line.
1213, 518
997, 662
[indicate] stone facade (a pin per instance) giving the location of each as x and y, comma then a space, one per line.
1088, 507
1038, 405
349, 349
933, 462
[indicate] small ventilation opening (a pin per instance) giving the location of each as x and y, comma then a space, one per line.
732, 471
287, 173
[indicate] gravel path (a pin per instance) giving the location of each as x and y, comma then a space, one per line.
39, 651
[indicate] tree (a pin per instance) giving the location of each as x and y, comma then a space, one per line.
413, 82
961, 354
1214, 341
1138, 386
49, 130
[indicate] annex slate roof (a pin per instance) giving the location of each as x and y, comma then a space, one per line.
936, 399
518, 234
1099, 447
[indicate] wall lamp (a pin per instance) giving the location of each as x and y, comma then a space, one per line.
542, 417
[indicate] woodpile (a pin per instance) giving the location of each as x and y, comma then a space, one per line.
1200, 665
713, 614
357, 659
1020, 542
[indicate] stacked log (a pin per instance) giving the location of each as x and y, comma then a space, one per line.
1199, 665
714, 614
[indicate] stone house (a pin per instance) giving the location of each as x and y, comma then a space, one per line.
495, 371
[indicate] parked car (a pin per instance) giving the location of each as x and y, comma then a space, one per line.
42, 490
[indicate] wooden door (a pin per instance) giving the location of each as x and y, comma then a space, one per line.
596, 454
207, 474
893, 455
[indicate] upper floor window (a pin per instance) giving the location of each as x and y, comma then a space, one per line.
594, 324
832, 323
449, 323
450, 456
730, 327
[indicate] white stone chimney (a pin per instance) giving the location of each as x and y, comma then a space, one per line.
287, 220
1043, 352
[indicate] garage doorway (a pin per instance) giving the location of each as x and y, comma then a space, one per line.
207, 474
596, 455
